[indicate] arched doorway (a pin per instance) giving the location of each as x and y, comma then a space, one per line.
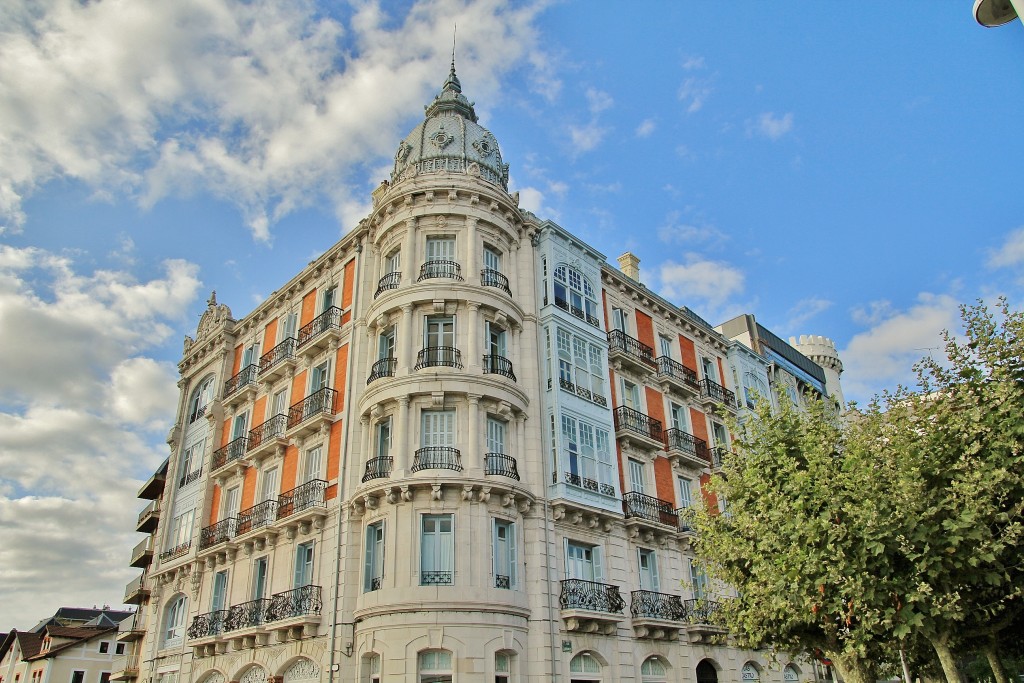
706, 672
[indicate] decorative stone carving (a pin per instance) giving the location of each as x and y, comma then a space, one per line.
442, 138
214, 677
302, 670
484, 495
467, 492
440, 220
436, 492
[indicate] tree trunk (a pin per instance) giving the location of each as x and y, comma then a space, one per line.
947, 660
995, 664
852, 668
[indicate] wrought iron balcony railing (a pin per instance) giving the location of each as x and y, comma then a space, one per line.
224, 530
701, 611
620, 341
247, 614
679, 440
492, 278
634, 421
670, 368
298, 602
318, 403
388, 281
501, 465
329, 319
308, 495
283, 351
231, 452
437, 458
176, 552
271, 429
433, 269
718, 454
439, 356
716, 392
206, 625
501, 581
589, 484
435, 578
589, 316
190, 478
590, 595
499, 365
636, 504
258, 516
385, 367
378, 468
653, 605
686, 516
245, 377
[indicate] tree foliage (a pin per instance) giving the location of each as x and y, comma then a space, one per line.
896, 523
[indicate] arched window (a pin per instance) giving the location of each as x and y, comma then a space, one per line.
574, 293
790, 674
502, 667
706, 672
653, 670
254, 674
584, 668
174, 620
750, 673
435, 666
373, 667
201, 397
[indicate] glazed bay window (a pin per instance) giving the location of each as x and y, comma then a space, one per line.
437, 550
174, 621
373, 565
201, 397
581, 368
575, 294
504, 554
586, 456
191, 464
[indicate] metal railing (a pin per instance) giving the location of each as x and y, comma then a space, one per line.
679, 440
589, 484
134, 586
670, 368
432, 578
245, 377
284, 350
634, 421
701, 611
258, 516
620, 341
437, 458
125, 663
232, 451
718, 453
152, 509
686, 516
317, 403
388, 281
492, 278
247, 614
190, 478
653, 605
224, 530
141, 549
271, 429
501, 465
438, 356
448, 269
378, 468
298, 602
385, 367
329, 319
308, 495
206, 625
502, 581
636, 504
176, 551
499, 365
590, 595
711, 389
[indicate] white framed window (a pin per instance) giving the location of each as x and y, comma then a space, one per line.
584, 663
250, 355
583, 561
384, 438
288, 325
502, 667
435, 666
181, 529
677, 415
104, 647
191, 463
373, 668
438, 428
232, 497
631, 395
494, 339
647, 562
721, 435
373, 562
174, 620
386, 344
201, 397
279, 404
749, 673
637, 476
492, 259
573, 292
587, 455
619, 318
260, 577
496, 435
685, 492
653, 670
303, 574
504, 554
270, 483
665, 345
393, 262
708, 366
439, 330
441, 248
240, 425
313, 465
320, 377
328, 298
118, 649
219, 596
698, 581
437, 550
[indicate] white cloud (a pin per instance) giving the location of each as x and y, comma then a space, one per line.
645, 128
1010, 253
804, 310
532, 199
598, 100
677, 231
883, 355
249, 102
693, 63
771, 126
586, 137
700, 282
693, 93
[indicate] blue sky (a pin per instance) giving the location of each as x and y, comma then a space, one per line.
845, 169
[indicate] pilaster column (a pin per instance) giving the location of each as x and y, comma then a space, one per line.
410, 260
471, 256
476, 452
473, 339
367, 441
405, 336
515, 276
401, 447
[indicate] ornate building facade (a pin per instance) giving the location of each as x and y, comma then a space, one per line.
458, 446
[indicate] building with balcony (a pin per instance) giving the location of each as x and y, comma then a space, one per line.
458, 446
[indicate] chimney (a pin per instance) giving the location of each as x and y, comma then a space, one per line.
629, 264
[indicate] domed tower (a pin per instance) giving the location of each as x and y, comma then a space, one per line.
822, 351
445, 465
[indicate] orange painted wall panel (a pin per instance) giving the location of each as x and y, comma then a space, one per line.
655, 405
688, 353
645, 330
289, 468
248, 488
298, 387
699, 424
308, 307
214, 505
345, 317
347, 283
663, 480
710, 499
259, 412
236, 365
721, 373
269, 336
340, 377
331, 493
225, 435
334, 452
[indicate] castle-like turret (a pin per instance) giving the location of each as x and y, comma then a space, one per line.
822, 351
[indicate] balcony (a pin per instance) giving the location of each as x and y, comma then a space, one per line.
625, 351
718, 454
687, 528
378, 468
589, 484
259, 516
177, 551
190, 478
221, 532
492, 278
499, 365
299, 606
142, 554
685, 449
228, 455
318, 333
657, 615
278, 360
207, 625
438, 356
648, 510
312, 412
241, 387
149, 517
436, 578
582, 392
678, 377
385, 367
641, 429
714, 394
154, 486
702, 620
124, 668
129, 635
303, 504
590, 607
444, 269
266, 438
437, 458
388, 282
246, 615
588, 316
500, 465
136, 592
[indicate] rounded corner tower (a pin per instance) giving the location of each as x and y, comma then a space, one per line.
822, 351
